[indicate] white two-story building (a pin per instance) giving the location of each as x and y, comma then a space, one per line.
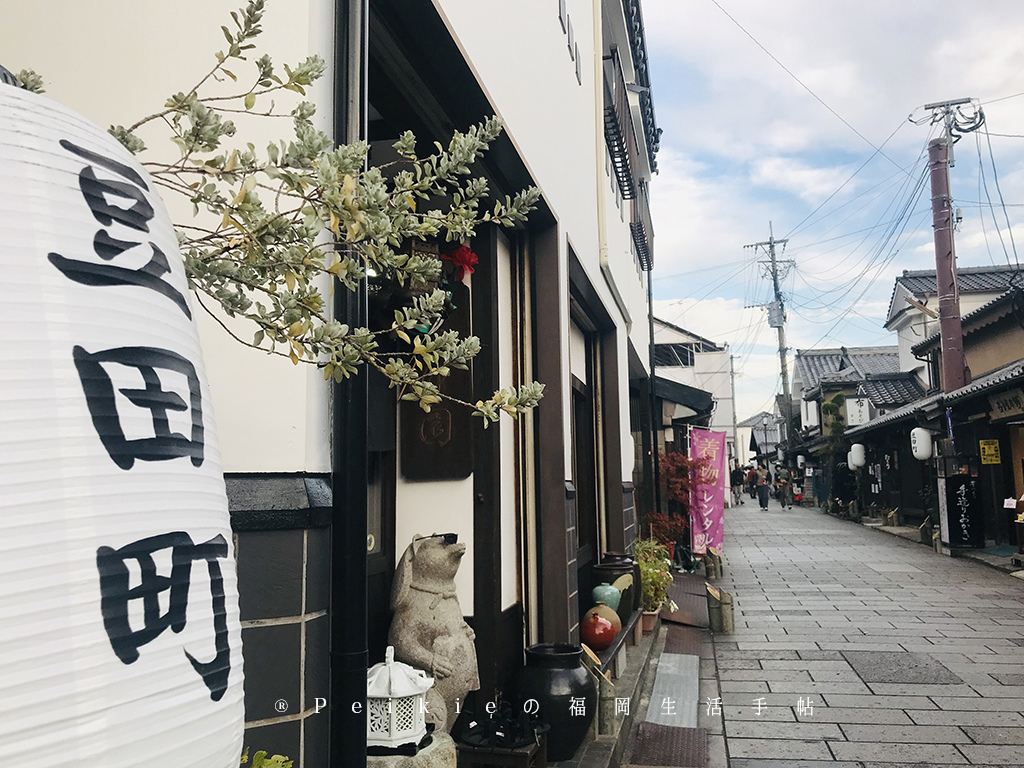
315, 469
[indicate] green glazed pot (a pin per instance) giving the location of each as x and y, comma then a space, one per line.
607, 594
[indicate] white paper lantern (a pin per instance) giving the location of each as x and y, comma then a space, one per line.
119, 634
396, 703
801, 460
921, 443
857, 455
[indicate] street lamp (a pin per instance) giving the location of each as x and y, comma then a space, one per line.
764, 425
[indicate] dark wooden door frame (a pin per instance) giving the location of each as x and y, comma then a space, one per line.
549, 369
586, 298
487, 471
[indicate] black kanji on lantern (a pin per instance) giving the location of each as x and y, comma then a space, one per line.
102, 196
116, 595
103, 404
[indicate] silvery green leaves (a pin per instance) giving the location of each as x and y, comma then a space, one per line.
30, 81
274, 228
196, 126
510, 401
129, 140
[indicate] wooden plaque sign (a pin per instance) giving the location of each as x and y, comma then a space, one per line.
438, 445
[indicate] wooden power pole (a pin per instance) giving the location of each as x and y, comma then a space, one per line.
940, 152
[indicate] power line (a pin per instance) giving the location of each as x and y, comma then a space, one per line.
795, 229
995, 177
983, 182
1002, 98
877, 189
900, 222
892, 225
804, 86
702, 269
884, 263
980, 204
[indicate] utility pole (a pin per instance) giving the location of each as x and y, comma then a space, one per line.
735, 429
940, 159
777, 319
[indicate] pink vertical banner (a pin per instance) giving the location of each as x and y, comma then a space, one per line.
707, 497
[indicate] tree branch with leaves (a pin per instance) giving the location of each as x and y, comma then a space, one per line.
268, 226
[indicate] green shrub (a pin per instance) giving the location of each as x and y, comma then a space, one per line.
655, 575
260, 760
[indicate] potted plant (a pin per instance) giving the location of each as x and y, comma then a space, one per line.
655, 578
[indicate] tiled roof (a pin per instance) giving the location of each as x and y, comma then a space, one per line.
889, 391
873, 360
989, 381
970, 279
979, 318
755, 420
844, 364
813, 364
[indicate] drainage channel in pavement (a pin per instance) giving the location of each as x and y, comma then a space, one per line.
674, 729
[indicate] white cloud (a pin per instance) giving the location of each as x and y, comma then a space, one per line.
790, 175
744, 144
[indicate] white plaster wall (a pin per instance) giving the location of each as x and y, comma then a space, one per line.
625, 436
116, 62
437, 506
633, 290
809, 413
913, 328
743, 453
520, 55
640, 333
709, 372
519, 52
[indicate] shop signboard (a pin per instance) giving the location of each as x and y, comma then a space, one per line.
963, 525
120, 643
858, 411
989, 451
1007, 404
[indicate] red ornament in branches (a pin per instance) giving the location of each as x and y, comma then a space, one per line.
463, 259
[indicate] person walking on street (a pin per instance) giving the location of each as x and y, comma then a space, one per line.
736, 480
784, 478
752, 482
764, 480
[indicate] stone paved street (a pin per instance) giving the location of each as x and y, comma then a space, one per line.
865, 650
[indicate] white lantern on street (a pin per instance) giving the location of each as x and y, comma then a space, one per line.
396, 703
801, 460
857, 455
120, 643
921, 443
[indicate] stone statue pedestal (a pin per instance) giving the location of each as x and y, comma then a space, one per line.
439, 754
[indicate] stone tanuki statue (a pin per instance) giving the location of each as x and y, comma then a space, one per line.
428, 631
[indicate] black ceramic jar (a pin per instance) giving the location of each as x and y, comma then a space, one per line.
565, 691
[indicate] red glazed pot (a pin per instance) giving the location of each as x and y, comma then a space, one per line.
597, 632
